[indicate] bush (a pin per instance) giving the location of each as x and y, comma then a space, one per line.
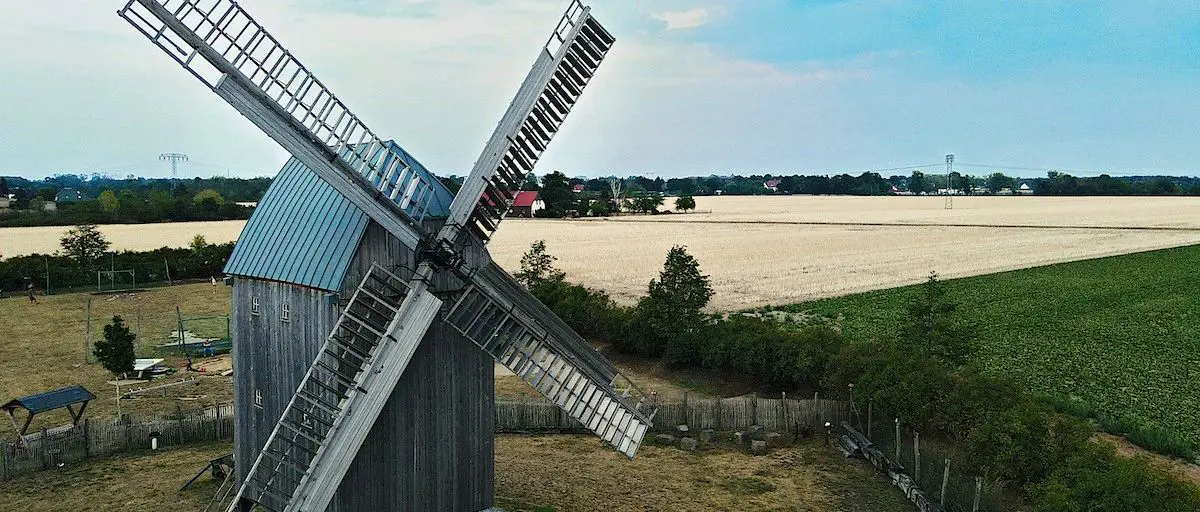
1096, 479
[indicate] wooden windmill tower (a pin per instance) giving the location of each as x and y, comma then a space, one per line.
368, 315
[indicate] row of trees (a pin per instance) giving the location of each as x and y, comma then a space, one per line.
84, 250
924, 376
127, 206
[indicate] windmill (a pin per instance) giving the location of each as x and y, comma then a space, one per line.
367, 313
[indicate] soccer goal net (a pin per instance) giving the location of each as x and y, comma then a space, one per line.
115, 280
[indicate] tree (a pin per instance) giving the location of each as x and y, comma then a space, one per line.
199, 243
537, 267
46, 193
85, 244
20, 199
934, 326
557, 195
916, 182
208, 196
3, 187
997, 181
530, 182
685, 203
108, 202
115, 350
600, 208
668, 320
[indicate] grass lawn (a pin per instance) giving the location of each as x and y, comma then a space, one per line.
1121, 334
568, 473
142, 481
577, 474
42, 345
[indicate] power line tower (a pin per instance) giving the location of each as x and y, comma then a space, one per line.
174, 158
616, 186
949, 188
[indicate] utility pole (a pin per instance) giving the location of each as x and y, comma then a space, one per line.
174, 158
949, 189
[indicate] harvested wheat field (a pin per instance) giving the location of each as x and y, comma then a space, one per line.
787, 249
784, 249
132, 237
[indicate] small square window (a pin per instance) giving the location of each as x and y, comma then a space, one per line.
285, 313
254, 305
258, 398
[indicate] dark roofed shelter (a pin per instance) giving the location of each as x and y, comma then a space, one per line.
45, 401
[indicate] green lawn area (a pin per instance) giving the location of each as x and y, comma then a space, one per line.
1120, 333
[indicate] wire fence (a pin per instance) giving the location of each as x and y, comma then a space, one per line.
930, 464
116, 271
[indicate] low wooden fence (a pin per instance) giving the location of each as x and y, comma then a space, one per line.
50, 449
93, 438
777, 414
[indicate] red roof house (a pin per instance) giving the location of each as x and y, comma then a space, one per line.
525, 204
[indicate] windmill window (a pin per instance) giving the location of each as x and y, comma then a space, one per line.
254, 305
258, 398
285, 312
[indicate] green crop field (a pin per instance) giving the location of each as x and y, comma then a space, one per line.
1121, 334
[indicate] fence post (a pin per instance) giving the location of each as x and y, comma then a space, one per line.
898, 440
522, 416
45, 450
717, 413
179, 413
754, 409
978, 490
869, 403
87, 438
916, 456
783, 412
686, 420
945, 481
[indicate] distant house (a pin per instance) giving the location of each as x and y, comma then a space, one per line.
4, 201
50, 206
71, 195
525, 204
577, 188
1024, 189
772, 185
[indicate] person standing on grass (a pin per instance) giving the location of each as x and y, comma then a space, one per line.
32, 298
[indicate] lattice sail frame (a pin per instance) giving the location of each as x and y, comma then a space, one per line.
231, 36
564, 67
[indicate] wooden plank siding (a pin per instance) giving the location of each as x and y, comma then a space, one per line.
432, 447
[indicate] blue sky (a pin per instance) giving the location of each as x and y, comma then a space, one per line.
691, 88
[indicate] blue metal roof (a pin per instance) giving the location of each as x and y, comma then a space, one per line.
304, 232
51, 400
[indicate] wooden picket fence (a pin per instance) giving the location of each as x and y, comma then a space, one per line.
93, 438
777, 414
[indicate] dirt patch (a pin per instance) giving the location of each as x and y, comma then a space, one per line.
1184, 468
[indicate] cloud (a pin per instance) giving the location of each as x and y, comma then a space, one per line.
692, 18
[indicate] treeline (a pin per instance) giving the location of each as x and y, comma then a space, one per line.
84, 253
923, 377
137, 203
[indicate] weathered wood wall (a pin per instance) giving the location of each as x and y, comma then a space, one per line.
432, 448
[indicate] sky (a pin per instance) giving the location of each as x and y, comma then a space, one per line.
692, 87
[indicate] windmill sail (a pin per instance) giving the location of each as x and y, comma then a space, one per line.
220, 44
562, 70
514, 328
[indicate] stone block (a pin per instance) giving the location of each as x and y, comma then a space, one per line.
665, 439
688, 444
683, 429
756, 432
758, 447
774, 439
741, 438
707, 435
